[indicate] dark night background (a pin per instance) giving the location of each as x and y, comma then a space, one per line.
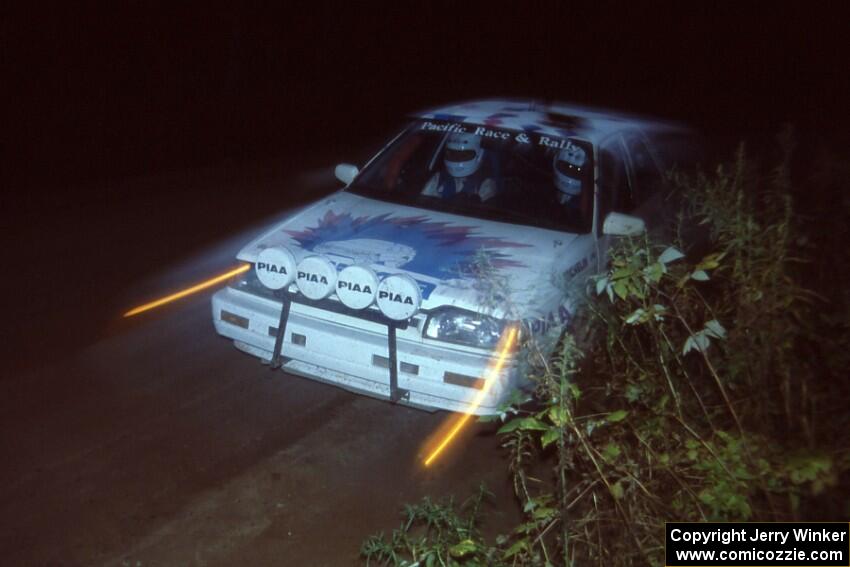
100, 93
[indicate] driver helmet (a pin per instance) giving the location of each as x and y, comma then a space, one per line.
569, 166
463, 154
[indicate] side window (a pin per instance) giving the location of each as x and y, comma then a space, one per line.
405, 169
645, 173
614, 190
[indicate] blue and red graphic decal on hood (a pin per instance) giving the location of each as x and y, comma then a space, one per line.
417, 243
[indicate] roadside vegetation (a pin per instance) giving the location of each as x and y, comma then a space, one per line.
709, 383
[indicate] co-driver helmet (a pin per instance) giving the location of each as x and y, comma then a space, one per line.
569, 168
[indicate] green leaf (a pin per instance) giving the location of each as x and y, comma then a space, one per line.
621, 288
714, 329
600, 285
637, 316
699, 342
617, 490
616, 416
653, 272
611, 451
530, 505
526, 528
622, 273
710, 262
809, 468
633, 392
636, 289
543, 513
465, 547
700, 275
558, 415
524, 424
549, 437
670, 255
519, 546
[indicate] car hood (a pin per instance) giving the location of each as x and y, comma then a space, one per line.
442, 252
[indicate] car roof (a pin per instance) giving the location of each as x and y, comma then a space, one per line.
546, 117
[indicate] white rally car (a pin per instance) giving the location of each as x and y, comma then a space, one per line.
476, 217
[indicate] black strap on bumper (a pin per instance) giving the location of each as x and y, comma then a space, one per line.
396, 394
277, 359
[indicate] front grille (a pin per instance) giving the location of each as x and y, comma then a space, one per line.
384, 362
408, 368
297, 339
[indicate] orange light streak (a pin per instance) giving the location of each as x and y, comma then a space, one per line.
188, 291
493, 372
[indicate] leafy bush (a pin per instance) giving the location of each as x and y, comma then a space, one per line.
712, 387
434, 533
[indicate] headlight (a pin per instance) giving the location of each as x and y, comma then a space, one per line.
249, 283
464, 327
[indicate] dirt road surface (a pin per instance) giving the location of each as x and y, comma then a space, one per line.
153, 441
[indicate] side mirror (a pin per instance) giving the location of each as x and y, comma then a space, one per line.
618, 224
346, 172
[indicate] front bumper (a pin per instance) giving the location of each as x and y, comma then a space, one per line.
352, 352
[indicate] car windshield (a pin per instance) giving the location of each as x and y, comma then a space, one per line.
486, 172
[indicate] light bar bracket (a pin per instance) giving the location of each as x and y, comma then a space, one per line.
277, 359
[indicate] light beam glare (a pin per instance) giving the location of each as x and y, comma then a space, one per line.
493, 374
188, 291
